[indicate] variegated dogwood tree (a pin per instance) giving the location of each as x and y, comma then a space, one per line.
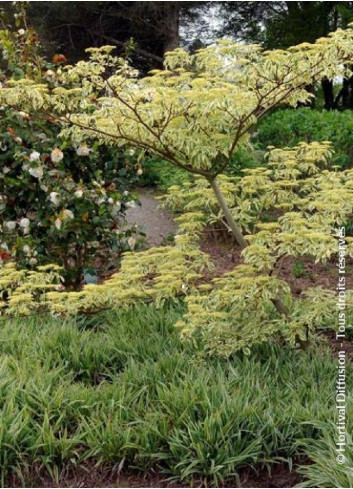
196, 113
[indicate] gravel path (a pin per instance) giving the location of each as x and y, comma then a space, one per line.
156, 223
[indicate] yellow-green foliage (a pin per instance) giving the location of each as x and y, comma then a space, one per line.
291, 207
153, 275
303, 203
236, 312
25, 292
196, 111
306, 204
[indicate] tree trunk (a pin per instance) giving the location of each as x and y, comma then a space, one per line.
346, 94
171, 37
327, 88
236, 230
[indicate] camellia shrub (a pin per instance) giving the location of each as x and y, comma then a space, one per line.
60, 202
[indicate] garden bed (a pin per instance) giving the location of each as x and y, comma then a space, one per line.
122, 390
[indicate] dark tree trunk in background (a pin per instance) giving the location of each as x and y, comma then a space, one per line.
172, 26
142, 31
327, 88
345, 94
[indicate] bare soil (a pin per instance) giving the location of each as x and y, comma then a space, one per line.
225, 255
87, 477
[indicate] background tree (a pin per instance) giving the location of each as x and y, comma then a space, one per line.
143, 30
278, 25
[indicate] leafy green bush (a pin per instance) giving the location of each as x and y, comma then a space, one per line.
160, 173
120, 389
290, 126
245, 158
60, 202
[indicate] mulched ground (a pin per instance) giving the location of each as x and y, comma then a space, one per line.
336, 345
225, 255
280, 476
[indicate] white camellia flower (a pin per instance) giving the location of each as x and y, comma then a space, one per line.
58, 223
139, 171
110, 201
56, 155
36, 172
43, 138
131, 204
21, 32
26, 249
18, 140
67, 214
5, 170
54, 198
131, 242
33, 261
83, 150
79, 193
34, 156
10, 225
131, 152
24, 222
24, 115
